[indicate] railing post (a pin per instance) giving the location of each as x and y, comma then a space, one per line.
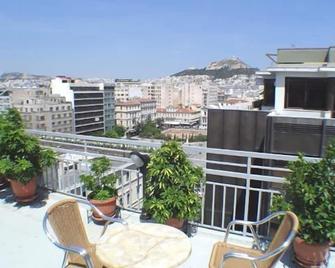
85, 149
247, 195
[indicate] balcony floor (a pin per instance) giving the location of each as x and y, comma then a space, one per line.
23, 243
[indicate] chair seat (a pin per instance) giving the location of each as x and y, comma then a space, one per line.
78, 261
221, 248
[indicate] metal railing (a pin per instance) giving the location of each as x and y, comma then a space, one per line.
240, 185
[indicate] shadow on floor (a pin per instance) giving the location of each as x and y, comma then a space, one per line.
42, 195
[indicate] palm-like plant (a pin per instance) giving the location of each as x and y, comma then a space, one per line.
173, 184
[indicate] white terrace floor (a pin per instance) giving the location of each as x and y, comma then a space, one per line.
23, 243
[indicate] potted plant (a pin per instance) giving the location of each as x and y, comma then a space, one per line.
172, 186
101, 184
309, 192
3, 182
21, 156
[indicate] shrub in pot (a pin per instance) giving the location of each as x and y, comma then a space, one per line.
3, 182
309, 192
101, 184
21, 156
173, 183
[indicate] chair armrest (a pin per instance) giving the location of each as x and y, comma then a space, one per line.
245, 223
251, 223
73, 249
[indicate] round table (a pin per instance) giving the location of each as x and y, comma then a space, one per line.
143, 245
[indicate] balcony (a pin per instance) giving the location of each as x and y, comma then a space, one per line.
250, 177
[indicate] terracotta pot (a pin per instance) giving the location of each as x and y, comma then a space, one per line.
107, 207
310, 255
174, 222
3, 183
24, 193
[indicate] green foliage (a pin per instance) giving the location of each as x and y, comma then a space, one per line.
310, 193
198, 138
116, 132
173, 183
150, 130
100, 180
21, 156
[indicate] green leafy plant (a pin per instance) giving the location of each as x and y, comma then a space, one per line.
309, 192
116, 132
21, 156
100, 180
148, 129
173, 185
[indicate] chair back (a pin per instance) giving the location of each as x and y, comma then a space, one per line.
66, 222
284, 235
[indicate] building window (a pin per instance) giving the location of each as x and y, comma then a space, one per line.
306, 93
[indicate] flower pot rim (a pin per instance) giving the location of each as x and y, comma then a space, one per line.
299, 239
110, 199
17, 181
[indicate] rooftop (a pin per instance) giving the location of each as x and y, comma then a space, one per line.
21, 226
24, 242
302, 60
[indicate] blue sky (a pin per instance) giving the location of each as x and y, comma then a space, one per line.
153, 38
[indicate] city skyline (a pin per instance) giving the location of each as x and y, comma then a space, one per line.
118, 39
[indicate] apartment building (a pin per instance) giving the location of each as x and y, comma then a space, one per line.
127, 88
128, 113
5, 102
93, 103
174, 117
296, 115
148, 109
42, 110
109, 106
161, 91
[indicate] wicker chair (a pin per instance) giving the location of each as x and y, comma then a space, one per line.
231, 256
65, 219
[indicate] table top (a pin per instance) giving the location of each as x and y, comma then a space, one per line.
143, 245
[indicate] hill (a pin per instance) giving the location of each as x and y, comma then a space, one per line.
221, 69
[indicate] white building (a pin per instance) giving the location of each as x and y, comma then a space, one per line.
128, 113
300, 83
148, 109
126, 89
5, 101
93, 103
179, 116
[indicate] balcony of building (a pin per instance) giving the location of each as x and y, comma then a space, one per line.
239, 186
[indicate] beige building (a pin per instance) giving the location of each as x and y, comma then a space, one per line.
163, 92
42, 110
128, 113
148, 109
179, 116
126, 89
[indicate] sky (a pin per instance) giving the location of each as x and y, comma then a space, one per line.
153, 38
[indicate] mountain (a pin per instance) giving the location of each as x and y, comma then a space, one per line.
221, 69
22, 76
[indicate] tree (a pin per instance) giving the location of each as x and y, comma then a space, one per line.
149, 130
159, 122
115, 132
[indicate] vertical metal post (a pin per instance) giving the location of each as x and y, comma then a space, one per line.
122, 189
247, 195
213, 205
